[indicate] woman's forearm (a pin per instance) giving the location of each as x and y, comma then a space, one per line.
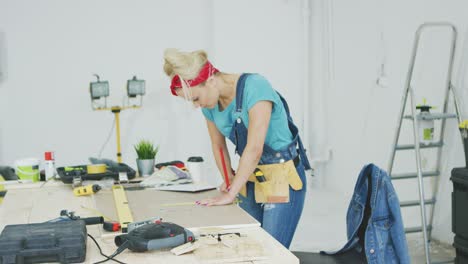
227, 159
247, 164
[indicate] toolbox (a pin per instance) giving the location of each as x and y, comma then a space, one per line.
460, 202
63, 242
69, 172
461, 248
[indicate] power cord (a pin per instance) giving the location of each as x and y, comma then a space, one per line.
111, 257
107, 139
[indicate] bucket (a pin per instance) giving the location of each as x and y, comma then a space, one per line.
27, 169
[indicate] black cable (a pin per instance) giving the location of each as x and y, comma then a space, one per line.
119, 250
107, 139
111, 257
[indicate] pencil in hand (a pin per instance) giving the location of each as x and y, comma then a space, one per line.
226, 176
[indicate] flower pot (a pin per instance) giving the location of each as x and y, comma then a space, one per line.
145, 167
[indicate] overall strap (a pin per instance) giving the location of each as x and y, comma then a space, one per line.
294, 130
240, 91
296, 137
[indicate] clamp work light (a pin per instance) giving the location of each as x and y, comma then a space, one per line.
99, 91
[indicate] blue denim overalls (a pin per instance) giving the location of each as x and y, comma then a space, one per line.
278, 219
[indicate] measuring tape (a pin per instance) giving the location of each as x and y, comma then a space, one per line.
96, 168
121, 204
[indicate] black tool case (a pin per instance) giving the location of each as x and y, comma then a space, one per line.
63, 242
461, 248
81, 171
460, 202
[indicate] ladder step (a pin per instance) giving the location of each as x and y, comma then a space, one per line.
432, 116
417, 203
413, 175
416, 229
422, 146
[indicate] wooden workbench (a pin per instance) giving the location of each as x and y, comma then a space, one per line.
34, 203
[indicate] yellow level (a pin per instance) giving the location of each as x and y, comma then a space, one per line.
121, 204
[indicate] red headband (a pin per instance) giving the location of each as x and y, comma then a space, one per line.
206, 71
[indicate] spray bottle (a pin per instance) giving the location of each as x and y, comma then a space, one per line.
49, 167
426, 125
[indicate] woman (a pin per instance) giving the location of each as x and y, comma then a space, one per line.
248, 111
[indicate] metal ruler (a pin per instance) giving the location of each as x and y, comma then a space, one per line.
121, 204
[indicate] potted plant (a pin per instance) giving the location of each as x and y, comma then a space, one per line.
146, 152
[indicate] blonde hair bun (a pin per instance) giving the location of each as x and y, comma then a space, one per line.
185, 64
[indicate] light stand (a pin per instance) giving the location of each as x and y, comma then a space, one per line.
99, 91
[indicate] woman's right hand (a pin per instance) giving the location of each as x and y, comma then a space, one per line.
223, 188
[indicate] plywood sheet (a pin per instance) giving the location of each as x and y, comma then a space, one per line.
41, 204
148, 203
230, 249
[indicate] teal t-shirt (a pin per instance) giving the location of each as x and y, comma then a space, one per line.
257, 88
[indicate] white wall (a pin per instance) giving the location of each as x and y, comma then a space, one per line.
54, 47
362, 116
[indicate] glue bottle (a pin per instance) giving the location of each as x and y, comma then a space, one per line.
49, 167
426, 125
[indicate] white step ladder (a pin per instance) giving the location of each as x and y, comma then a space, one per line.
426, 226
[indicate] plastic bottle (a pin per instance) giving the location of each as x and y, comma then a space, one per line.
50, 171
426, 125
464, 131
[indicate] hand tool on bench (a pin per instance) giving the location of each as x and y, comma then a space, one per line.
153, 236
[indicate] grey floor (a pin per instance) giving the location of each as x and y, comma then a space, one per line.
348, 258
440, 252
323, 227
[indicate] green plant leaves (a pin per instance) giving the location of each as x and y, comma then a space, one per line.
146, 150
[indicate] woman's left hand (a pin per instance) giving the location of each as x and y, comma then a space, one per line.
222, 199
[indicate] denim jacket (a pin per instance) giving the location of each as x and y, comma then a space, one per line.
374, 222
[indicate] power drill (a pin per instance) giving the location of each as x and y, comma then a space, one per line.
154, 236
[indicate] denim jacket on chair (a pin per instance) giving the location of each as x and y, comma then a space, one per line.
383, 237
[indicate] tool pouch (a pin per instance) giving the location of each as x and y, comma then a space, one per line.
278, 177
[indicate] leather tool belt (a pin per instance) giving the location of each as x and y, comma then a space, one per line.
274, 186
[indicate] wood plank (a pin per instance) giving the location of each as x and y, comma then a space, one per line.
230, 249
36, 205
148, 203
